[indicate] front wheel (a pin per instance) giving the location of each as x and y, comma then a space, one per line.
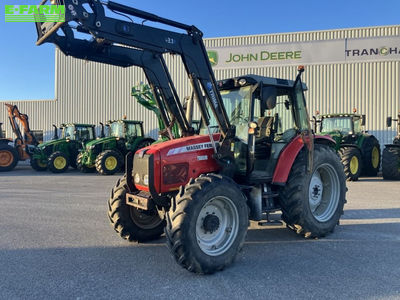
109, 162
38, 165
352, 163
84, 168
312, 203
129, 222
58, 162
207, 224
372, 156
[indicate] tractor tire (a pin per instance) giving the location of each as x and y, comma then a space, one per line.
37, 165
313, 203
57, 162
391, 163
109, 162
371, 156
8, 157
130, 223
207, 224
352, 162
144, 143
83, 168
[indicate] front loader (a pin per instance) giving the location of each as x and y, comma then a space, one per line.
358, 150
255, 152
391, 154
12, 151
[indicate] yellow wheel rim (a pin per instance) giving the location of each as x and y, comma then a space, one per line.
375, 157
111, 163
354, 165
60, 163
6, 158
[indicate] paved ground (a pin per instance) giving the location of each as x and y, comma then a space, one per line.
55, 242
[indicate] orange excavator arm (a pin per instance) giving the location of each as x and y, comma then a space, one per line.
13, 114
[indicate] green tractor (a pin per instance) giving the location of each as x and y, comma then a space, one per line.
60, 153
106, 155
358, 150
391, 154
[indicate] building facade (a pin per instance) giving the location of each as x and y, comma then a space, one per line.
345, 69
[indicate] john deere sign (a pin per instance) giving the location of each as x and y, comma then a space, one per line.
331, 51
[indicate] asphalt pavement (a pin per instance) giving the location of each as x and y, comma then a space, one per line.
56, 243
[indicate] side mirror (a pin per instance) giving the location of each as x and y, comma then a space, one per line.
363, 118
389, 121
268, 97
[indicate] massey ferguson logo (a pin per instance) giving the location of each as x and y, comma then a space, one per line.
381, 51
189, 148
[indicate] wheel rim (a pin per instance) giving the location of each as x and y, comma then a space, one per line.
375, 157
6, 158
217, 226
354, 165
145, 220
324, 192
60, 162
111, 163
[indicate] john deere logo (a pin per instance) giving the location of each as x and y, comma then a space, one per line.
213, 57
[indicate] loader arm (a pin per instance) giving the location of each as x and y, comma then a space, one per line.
14, 113
188, 45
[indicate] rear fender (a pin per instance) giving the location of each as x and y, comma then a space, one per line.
289, 154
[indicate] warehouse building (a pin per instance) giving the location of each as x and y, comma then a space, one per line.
345, 69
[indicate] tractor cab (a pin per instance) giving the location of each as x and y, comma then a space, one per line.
343, 128
78, 132
267, 114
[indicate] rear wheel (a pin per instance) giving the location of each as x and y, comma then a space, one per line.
83, 167
371, 157
391, 163
313, 203
129, 222
352, 163
109, 162
38, 165
8, 157
57, 162
207, 224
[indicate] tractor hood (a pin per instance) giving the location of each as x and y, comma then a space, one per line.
100, 141
51, 143
171, 164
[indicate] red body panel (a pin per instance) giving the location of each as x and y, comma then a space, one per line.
196, 151
288, 156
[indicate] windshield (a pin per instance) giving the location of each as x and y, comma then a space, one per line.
68, 132
117, 129
133, 130
84, 133
237, 106
342, 124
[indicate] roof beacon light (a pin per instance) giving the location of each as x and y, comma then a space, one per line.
354, 110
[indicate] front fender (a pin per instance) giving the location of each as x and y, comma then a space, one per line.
289, 154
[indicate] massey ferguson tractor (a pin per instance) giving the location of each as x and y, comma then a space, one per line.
255, 152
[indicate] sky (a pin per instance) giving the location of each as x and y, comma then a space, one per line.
27, 71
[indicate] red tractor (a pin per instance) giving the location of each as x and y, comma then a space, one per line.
255, 152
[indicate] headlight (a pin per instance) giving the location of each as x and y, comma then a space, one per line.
175, 173
137, 178
146, 179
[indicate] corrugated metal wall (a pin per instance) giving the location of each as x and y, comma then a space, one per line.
90, 92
